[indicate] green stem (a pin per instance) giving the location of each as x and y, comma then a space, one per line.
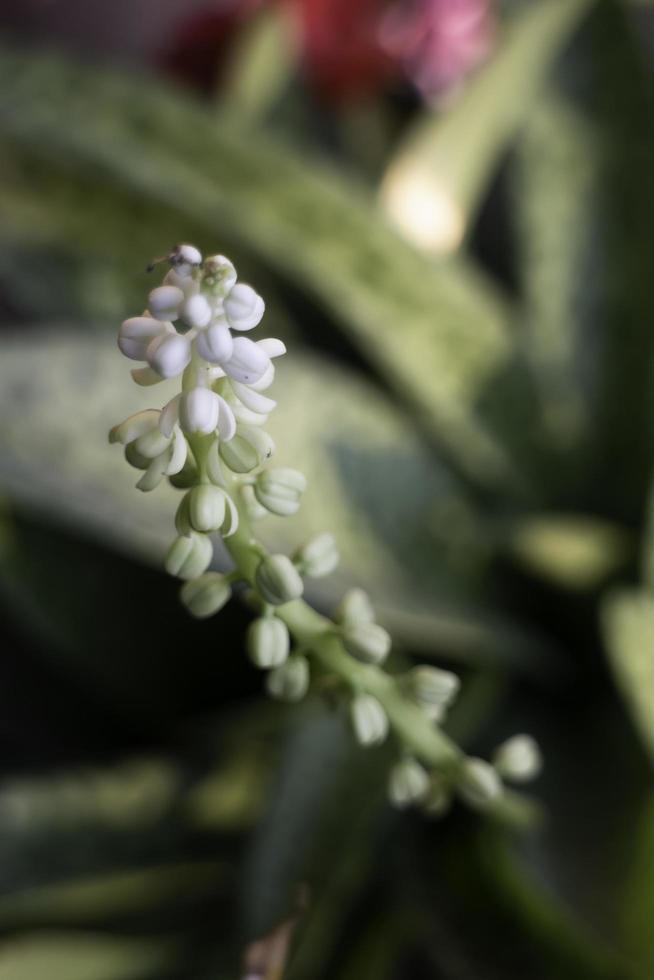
317, 633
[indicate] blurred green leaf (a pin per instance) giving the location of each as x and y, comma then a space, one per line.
69, 956
436, 179
637, 908
438, 335
628, 620
372, 483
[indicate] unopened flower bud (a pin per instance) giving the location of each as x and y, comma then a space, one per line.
206, 508
189, 556
268, 642
151, 444
479, 783
199, 409
206, 595
368, 719
135, 426
279, 490
196, 311
254, 509
368, 642
215, 344
136, 334
518, 759
438, 798
164, 302
239, 454
432, 688
169, 354
355, 607
187, 476
244, 308
290, 682
185, 258
278, 580
408, 783
318, 557
248, 362
219, 275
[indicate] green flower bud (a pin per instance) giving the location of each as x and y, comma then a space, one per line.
135, 458
319, 557
367, 642
518, 759
187, 476
206, 508
206, 595
354, 607
135, 426
433, 689
279, 490
290, 682
151, 444
408, 783
278, 580
267, 642
239, 454
479, 783
438, 798
254, 509
368, 719
189, 556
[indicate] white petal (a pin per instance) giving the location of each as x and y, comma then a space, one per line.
177, 452
245, 415
135, 426
252, 399
196, 311
248, 362
169, 355
164, 302
145, 376
226, 421
272, 346
232, 526
243, 307
199, 410
136, 334
154, 473
169, 416
184, 258
265, 380
215, 344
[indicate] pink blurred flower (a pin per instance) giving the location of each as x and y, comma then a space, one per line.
438, 42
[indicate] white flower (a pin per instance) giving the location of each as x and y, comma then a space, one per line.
137, 333
196, 311
199, 409
164, 302
184, 258
215, 344
244, 308
248, 362
169, 354
518, 759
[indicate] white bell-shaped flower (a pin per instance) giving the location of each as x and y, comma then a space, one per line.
137, 333
248, 362
196, 311
244, 307
199, 410
164, 302
215, 344
168, 355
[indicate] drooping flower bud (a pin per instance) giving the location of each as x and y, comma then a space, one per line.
368, 642
355, 607
244, 308
318, 557
267, 642
215, 344
164, 302
206, 508
518, 759
135, 426
196, 311
290, 681
280, 490
369, 720
206, 595
249, 448
479, 783
432, 688
278, 580
189, 556
408, 783
199, 409
137, 333
169, 354
248, 362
